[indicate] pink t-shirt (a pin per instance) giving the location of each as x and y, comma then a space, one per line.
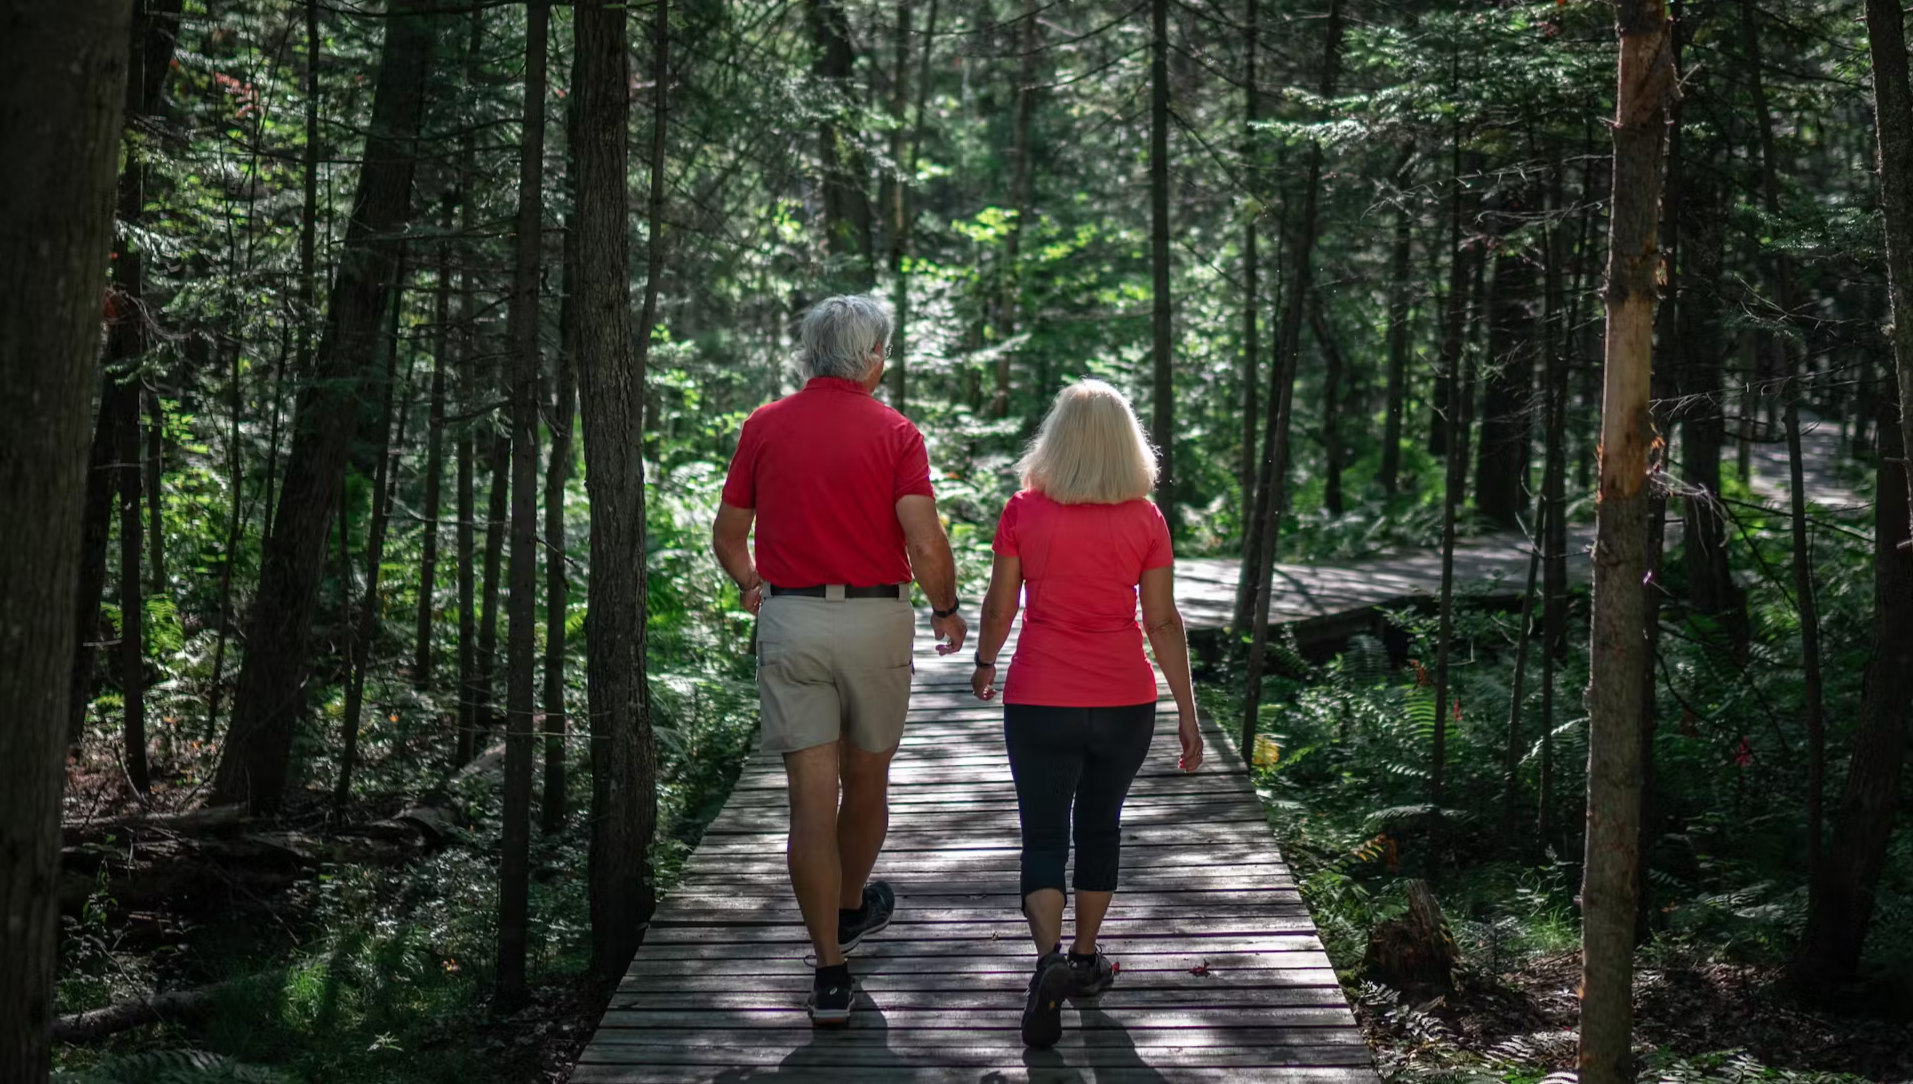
1082, 563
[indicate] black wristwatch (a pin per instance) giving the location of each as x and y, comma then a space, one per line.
980, 664
951, 612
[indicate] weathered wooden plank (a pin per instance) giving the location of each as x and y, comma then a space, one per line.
913, 903
1007, 978
1005, 1070
1118, 1016
871, 961
1116, 929
993, 1001
1012, 943
1120, 1062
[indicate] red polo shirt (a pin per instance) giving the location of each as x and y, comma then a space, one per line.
824, 470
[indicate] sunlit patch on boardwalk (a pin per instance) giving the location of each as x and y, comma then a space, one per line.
1223, 976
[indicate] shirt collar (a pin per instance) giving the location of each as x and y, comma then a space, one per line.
835, 383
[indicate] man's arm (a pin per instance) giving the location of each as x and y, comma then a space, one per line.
731, 542
933, 565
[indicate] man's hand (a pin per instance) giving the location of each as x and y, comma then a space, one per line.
983, 682
950, 631
754, 597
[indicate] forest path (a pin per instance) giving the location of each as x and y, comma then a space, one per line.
1223, 975
1327, 602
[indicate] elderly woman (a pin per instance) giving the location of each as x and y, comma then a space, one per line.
1080, 544
838, 486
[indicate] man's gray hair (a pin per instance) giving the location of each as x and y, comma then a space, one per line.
840, 334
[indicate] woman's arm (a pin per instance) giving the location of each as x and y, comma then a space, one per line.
1170, 641
999, 612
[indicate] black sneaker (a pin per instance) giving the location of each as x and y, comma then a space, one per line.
1093, 974
880, 903
1043, 1012
830, 998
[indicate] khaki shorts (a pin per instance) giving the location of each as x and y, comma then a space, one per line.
834, 669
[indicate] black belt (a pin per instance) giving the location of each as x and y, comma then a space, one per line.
888, 590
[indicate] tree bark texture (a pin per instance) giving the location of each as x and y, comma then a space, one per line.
471, 392
271, 696
1645, 88
1501, 464
564, 405
1162, 415
1251, 269
62, 73
845, 184
434, 484
1398, 333
611, 389
1893, 111
521, 333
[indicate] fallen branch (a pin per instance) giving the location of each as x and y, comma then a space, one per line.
96, 1024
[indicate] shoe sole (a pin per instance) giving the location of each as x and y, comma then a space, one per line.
829, 1018
847, 946
1043, 1014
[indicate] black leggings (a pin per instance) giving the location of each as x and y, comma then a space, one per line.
1085, 757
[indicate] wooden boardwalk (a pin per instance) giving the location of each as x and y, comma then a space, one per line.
1223, 977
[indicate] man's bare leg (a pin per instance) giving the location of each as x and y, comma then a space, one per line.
815, 869
863, 820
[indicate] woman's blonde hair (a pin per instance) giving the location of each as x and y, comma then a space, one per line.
1091, 449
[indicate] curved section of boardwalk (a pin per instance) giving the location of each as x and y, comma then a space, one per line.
1223, 977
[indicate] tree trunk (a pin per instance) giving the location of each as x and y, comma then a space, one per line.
271, 695
63, 82
1251, 269
564, 404
623, 760
1162, 417
1893, 110
1517, 698
471, 393
498, 514
434, 457
847, 218
906, 221
235, 526
132, 653
1840, 895
153, 35
1454, 483
1332, 374
1501, 471
1711, 590
1398, 333
1618, 650
359, 643
154, 464
1275, 445
1026, 38
514, 870
1809, 612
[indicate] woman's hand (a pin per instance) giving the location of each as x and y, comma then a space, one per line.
1191, 736
983, 682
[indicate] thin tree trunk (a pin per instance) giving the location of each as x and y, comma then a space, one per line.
359, 641
557, 586
1275, 446
1711, 591
235, 526
271, 696
1815, 684
514, 876
1162, 417
1893, 111
846, 196
309, 216
1618, 649
1840, 898
1026, 37
497, 515
132, 601
1332, 373
1251, 269
900, 236
58, 135
1453, 420
1511, 756
1501, 471
422, 654
154, 464
471, 392
1398, 333
623, 760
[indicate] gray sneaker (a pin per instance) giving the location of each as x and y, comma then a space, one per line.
1094, 975
1043, 1012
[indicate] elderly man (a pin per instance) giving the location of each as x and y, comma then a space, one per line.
839, 486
